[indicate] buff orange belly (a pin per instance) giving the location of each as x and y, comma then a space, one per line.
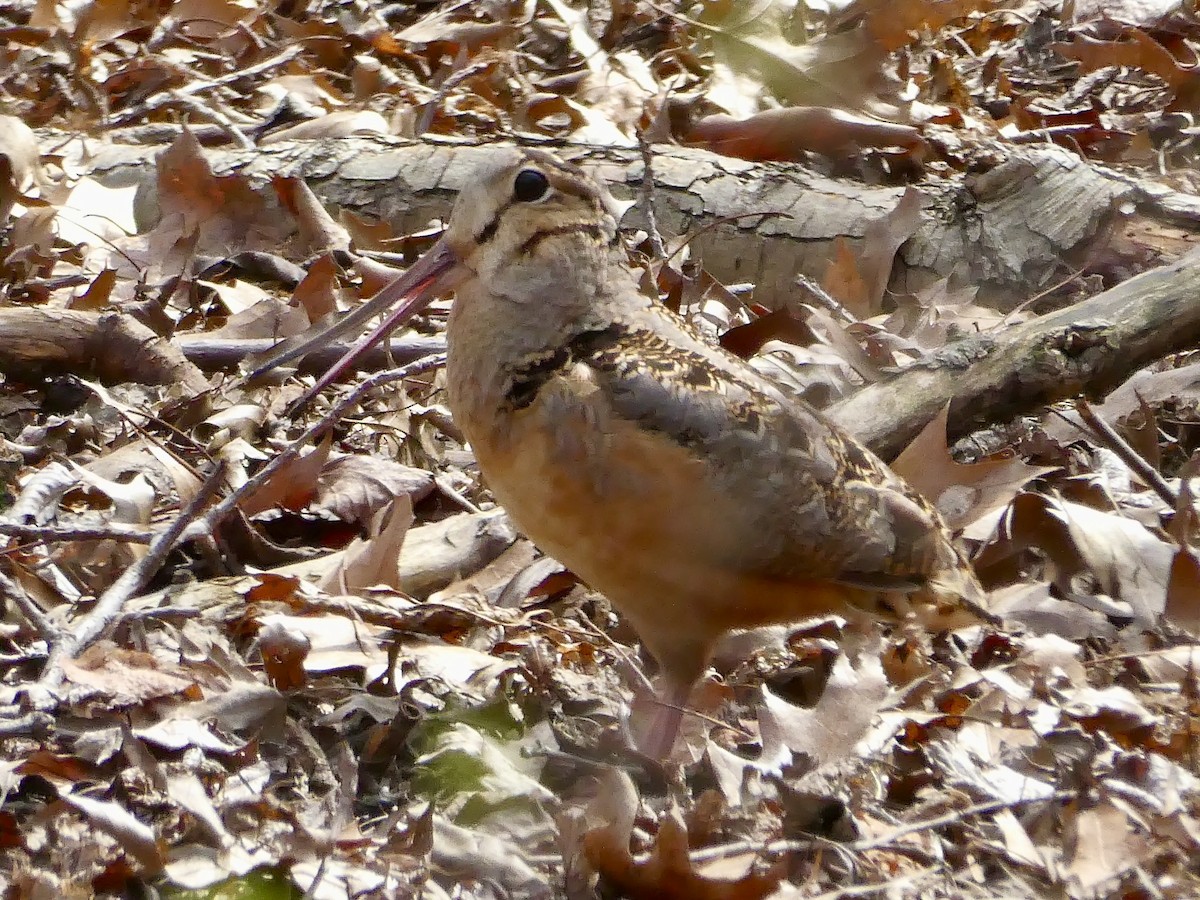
635, 515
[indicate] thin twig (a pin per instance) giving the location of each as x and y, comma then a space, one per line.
481, 63
626, 656
953, 817
655, 236
210, 111
132, 415
196, 86
46, 534
827, 299
1118, 445
247, 74
159, 612
444, 485
11, 590
108, 608
208, 524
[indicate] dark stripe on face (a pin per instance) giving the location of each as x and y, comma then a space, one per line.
564, 178
589, 228
489, 230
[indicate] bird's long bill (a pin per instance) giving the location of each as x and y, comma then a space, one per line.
436, 273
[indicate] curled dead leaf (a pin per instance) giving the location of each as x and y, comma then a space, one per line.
787, 134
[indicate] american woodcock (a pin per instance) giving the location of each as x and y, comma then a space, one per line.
668, 474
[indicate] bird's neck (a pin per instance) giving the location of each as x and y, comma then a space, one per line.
493, 334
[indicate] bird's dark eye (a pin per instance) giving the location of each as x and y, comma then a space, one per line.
530, 186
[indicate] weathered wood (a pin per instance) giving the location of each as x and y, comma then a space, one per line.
211, 353
1009, 229
1087, 348
111, 347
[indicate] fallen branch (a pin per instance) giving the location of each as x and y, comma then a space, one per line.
1037, 207
113, 348
210, 354
49, 534
118, 348
1087, 348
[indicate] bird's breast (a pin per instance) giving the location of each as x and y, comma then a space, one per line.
637, 516
598, 492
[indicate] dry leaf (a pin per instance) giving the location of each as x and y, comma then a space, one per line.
786, 134
962, 493
375, 560
828, 731
294, 485
354, 488
1182, 608
1106, 843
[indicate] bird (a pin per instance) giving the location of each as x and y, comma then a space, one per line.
669, 475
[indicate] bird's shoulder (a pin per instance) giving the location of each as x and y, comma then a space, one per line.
654, 371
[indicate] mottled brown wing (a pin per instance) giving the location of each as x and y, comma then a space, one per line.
817, 503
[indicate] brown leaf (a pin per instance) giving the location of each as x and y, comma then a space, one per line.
283, 652
294, 485
366, 232
667, 873
961, 492
844, 281
781, 325
837, 335
881, 239
126, 677
211, 20
1032, 605
56, 768
133, 836
1182, 608
1105, 844
1140, 51
786, 134
354, 488
99, 292
336, 124
1124, 559
893, 24
317, 292
267, 318
828, 731
18, 144
319, 232
450, 27
1146, 13
375, 560
220, 211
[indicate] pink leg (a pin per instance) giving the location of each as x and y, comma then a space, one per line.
662, 728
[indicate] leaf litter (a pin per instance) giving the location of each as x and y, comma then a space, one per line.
431, 708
